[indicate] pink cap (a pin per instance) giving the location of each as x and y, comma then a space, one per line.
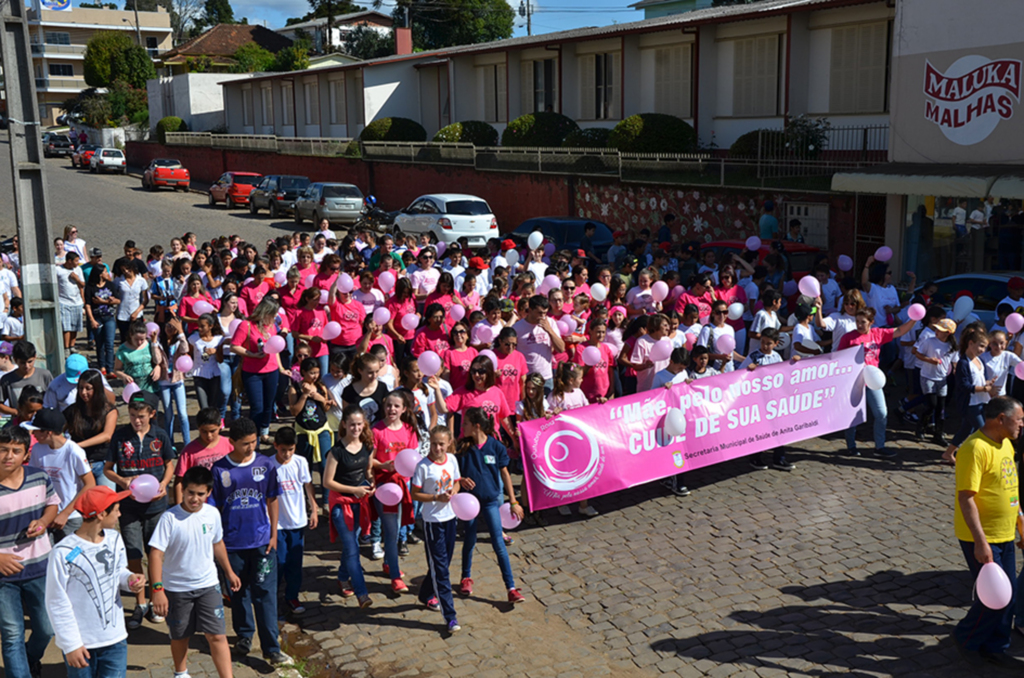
621, 309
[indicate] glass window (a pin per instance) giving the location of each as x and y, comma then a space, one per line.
467, 207
341, 191
756, 76
62, 70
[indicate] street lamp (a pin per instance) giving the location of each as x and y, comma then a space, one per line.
138, 33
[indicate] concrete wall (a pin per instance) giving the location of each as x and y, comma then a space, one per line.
196, 98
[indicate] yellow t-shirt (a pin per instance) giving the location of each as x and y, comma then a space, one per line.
987, 468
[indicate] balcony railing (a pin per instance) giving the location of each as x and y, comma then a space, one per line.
313, 146
44, 84
38, 49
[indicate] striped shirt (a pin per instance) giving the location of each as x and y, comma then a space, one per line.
18, 508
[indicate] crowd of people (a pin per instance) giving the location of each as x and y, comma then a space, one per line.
361, 347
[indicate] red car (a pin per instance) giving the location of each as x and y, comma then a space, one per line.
800, 257
233, 188
165, 172
82, 155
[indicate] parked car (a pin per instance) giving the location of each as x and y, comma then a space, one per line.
800, 256
233, 188
104, 159
988, 289
57, 145
165, 172
83, 155
338, 203
566, 233
276, 193
449, 216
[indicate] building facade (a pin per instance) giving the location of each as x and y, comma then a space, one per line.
341, 26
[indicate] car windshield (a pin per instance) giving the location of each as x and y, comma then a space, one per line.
60, 138
112, 154
342, 192
247, 180
288, 183
467, 208
163, 162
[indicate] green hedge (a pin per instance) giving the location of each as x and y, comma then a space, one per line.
469, 132
538, 129
169, 124
746, 145
393, 129
592, 137
653, 133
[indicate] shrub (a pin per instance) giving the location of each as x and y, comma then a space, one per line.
353, 150
592, 137
538, 130
746, 145
169, 124
469, 132
393, 129
653, 133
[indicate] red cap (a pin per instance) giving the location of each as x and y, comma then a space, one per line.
507, 245
963, 293
97, 499
580, 253
619, 234
665, 246
1015, 283
478, 263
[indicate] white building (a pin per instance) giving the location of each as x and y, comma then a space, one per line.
341, 26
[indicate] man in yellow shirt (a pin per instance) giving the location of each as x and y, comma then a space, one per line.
987, 506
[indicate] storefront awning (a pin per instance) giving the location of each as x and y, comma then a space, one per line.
912, 184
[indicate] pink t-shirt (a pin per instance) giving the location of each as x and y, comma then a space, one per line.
350, 316
492, 400
387, 342
703, 303
457, 363
196, 453
568, 401
312, 323
424, 280
597, 379
733, 295
371, 300
430, 340
641, 352
872, 342
248, 336
399, 309
446, 302
254, 292
290, 301
535, 345
324, 279
510, 373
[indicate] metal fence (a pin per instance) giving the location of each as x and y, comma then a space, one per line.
797, 152
312, 146
419, 152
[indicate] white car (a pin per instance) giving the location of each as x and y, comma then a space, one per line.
449, 216
107, 159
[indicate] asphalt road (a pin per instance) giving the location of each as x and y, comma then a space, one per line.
109, 209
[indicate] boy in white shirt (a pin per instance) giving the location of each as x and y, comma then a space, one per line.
186, 588
769, 339
295, 502
65, 462
85, 576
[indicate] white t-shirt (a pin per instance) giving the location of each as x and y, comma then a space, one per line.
433, 478
371, 300
932, 347
538, 268
205, 366
187, 541
762, 319
336, 387
839, 324
65, 466
130, 296
14, 327
878, 298
752, 293
67, 291
976, 216
830, 296
709, 335
535, 345
999, 367
291, 499
664, 377
804, 335
959, 215
289, 258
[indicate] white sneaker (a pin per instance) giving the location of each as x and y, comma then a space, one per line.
564, 511
378, 551
588, 511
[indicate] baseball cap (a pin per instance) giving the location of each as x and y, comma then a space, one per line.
507, 245
47, 419
963, 293
74, 366
97, 499
629, 261
619, 234
478, 263
6, 348
1015, 283
580, 253
946, 325
95, 252
144, 398
506, 306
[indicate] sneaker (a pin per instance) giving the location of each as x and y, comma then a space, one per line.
514, 596
885, 452
387, 571
782, 465
365, 601
398, 586
243, 646
564, 511
345, 587
908, 417
138, 614
413, 539
403, 548
183, 674
940, 439
588, 511
364, 540
757, 463
854, 452
466, 587
433, 604
453, 627
296, 607
152, 616
680, 490
278, 659
378, 551
35, 669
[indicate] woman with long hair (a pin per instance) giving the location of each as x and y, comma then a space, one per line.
481, 391
207, 355
91, 421
401, 304
130, 288
349, 313
395, 432
260, 370
309, 326
136, 359
101, 305
172, 380
194, 293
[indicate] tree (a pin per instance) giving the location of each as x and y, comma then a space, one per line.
133, 66
444, 23
142, 5
251, 58
185, 14
291, 59
100, 53
366, 43
218, 12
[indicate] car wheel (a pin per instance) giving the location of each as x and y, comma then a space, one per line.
184, 188
273, 210
212, 202
92, 168
297, 216
229, 203
253, 210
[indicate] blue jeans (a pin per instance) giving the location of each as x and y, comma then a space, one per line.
105, 343
97, 472
225, 387
19, 599
290, 546
257, 597
104, 662
261, 388
492, 518
389, 525
304, 449
232, 362
405, 530
876, 405
439, 543
350, 569
175, 393
971, 421
982, 628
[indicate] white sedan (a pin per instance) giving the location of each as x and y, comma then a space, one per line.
449, 216
107, 159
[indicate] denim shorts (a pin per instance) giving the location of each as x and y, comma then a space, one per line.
934, 387
136, 531
191, 612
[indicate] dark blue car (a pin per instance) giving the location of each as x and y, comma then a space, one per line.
566, 233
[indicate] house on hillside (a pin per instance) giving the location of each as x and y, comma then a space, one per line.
214, 50
341, 25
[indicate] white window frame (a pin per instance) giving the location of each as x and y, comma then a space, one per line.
56, 38
529, 70
267, 104
247, 105
756, 76
494, 99
339, 100
673, 80
311, 101
600, 77
858, 67
287, 103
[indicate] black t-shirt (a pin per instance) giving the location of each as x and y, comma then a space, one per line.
373, 404
134, 458
82, 427
351, 468
312, 416
138, 264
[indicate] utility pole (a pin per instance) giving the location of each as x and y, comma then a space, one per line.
31, 209
526, 10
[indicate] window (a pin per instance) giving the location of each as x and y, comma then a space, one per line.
495, 97
600, 86
858, 82
358, 87
311, 101
151, 47
267, 104
247, 106
339, 114
62, 70
672, 84
57, 38
287, 103
540, 85
756, 76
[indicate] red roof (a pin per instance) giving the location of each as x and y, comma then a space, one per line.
223, 40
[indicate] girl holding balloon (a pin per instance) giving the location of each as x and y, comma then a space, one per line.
207, 353
172, 365
194, 302
444, 294
432, 335
719, 338
348, 313
459, 355
649, 360
400, 305
373, 334
397, 431
598, 359
258, 344
309, 326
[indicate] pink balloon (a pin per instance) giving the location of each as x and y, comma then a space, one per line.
494, 358
280, 277
441, 247
332, 330
381, 316
809, 286
552, 282
308, 281
508, 519
549, 249
725, 344
845, 263
1014, 323
183, 363
202, 306
883, 253
345, 283
916, 312
789, 288
151, 328
994, 587
145, 488
659, 290
323, 297
457, 312
133, 388
406, 461
275, 344
466, 506
570, 322
678, 291
563, 328
410, 321
661, 350
591, 356
389, 494
753, 243
485, 334
1018, 371
430, 363
386, 281
689, 340
233, 326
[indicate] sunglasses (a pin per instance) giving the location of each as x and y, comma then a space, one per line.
717, 312
478, 371
460, 332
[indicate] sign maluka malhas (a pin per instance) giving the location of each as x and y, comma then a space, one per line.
972, 96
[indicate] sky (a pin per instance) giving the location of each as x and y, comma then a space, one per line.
548, 16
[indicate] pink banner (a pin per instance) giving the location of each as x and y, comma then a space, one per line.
600, 449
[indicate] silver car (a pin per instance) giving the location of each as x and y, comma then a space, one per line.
338, 203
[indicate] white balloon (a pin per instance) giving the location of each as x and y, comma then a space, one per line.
675, 422
735, 311
512, 257
962, 308
535, 240
599, 292
874, 378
